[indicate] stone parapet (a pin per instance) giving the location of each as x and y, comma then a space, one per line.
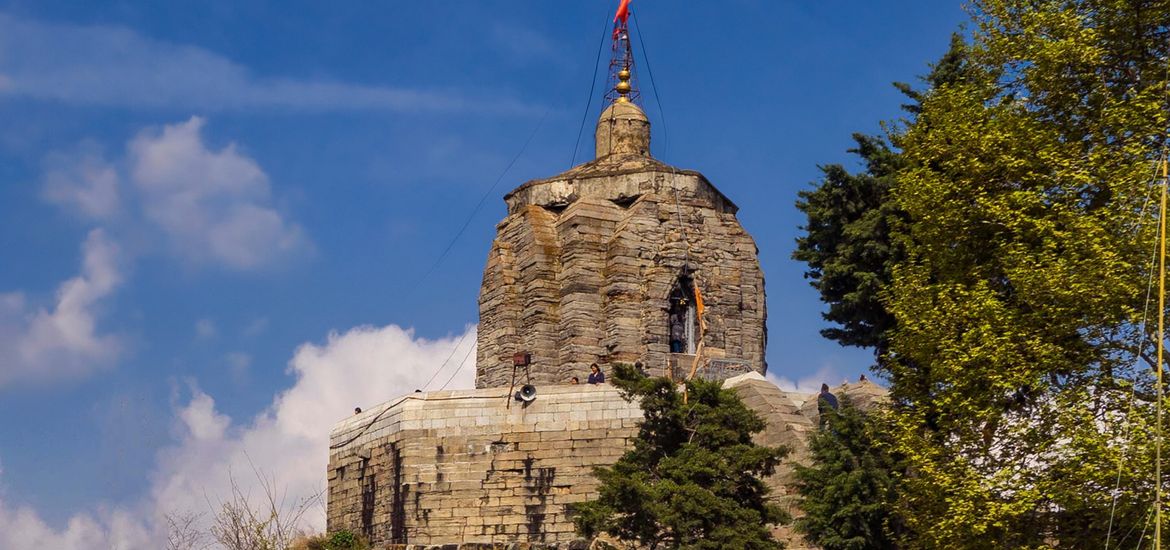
574, 545
456, 469
479, 466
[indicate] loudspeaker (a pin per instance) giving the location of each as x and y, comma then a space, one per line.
526, 393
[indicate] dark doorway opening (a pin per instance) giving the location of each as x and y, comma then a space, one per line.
681, 316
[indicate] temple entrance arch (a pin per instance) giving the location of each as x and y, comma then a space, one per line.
681, 316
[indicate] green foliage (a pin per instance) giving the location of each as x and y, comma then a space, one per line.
693, 477
338, 540
996, 258
346, 540
1017, 305
849, 492
849, 242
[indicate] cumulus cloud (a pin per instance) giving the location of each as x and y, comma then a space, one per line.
112, 528
808, 384
113, 66
21, 527
211, 204
62, 341
287, 442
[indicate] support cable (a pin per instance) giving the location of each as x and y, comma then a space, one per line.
482, 199
1141, 344
666, 143
445, 361
650, 72
458, 370
592, 87
466, 223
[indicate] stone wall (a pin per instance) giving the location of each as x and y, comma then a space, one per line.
474, 465
575, 545
477, 466
582, 267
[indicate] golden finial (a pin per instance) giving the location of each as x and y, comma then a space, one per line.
623, 86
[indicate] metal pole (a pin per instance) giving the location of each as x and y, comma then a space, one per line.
1159, 396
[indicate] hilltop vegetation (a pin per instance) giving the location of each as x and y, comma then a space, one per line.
995, 253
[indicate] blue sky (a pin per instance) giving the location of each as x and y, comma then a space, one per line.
215, 217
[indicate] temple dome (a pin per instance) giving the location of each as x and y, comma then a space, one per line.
623, 129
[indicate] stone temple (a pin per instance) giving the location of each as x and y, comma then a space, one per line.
607, 262
598, 265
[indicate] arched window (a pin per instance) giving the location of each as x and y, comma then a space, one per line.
681, 316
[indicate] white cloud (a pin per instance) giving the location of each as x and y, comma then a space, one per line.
807, 385
206, 329
113, 66
238, 364
256, 327
212, 205
521, 43
287, 442
62, 341
85, 183
21, 527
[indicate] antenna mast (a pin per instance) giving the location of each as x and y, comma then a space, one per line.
1160, 395
621, 61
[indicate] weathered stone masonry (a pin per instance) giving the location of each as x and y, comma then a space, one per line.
586, 267
474, 465
582, 266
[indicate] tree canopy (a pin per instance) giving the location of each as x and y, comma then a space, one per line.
848, 240
693, 476
1016, 284
1024, 277
849, 490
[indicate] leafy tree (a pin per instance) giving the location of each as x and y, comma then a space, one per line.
1018, 303
849, 492
693, 477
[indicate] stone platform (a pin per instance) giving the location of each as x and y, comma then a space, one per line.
478, 466
475, 465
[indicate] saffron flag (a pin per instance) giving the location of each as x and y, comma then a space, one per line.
623, 12
699, 307
620, 18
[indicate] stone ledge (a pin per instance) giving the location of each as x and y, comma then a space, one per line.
574, 545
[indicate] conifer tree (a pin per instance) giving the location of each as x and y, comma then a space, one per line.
693, 477
848, 247
848, 240
849, 490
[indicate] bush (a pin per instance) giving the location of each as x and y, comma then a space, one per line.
338, 540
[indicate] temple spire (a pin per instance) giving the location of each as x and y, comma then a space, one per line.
623, 128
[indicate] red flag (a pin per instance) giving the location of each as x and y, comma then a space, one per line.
620, 18
623, 12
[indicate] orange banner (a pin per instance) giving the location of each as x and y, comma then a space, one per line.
623, 12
